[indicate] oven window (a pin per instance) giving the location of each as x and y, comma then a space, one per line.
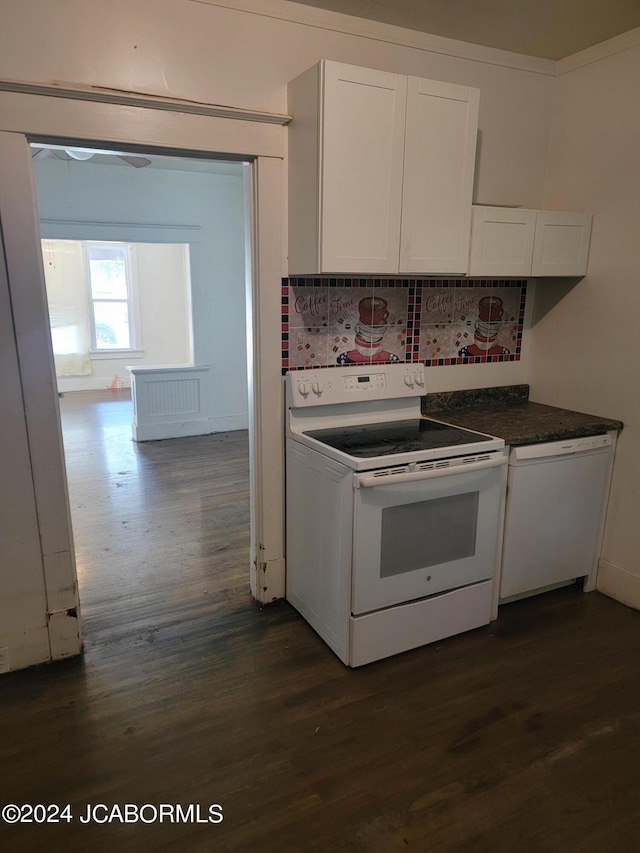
428, 533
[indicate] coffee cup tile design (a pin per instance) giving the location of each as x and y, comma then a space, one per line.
442, 322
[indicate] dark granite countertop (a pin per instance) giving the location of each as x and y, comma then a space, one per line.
507, 412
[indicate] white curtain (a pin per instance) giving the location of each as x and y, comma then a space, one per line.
66, 281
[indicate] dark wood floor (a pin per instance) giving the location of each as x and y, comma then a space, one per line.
523, 736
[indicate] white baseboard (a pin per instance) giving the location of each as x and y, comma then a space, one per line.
60, 639
228, 423
64, 634
175, 429
27, 648
183, 429
271, 581
618, 583
97, 383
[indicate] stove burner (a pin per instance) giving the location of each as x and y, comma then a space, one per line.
367, 441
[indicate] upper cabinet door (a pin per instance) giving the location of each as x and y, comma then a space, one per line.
380, 172
561, 243
501, 242
361, 157
440, 146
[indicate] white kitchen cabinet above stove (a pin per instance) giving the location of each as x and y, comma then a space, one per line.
380, 172
514, 242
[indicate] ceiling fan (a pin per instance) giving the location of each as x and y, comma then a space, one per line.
65, 152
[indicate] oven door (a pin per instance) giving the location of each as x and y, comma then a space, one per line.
418, 533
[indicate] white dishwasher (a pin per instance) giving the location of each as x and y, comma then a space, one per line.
556, 503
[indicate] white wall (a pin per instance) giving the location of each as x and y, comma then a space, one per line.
94, 201
584, 347
221, 55
161, 305
164, 304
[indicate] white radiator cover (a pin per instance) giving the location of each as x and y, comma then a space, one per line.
170, 401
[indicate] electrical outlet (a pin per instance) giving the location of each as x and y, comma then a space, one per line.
4, 660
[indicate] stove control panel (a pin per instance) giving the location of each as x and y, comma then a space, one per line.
350, 384
364, 383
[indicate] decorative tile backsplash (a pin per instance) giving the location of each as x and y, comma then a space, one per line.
335, 321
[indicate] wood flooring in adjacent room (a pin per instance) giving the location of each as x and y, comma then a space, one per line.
522, 736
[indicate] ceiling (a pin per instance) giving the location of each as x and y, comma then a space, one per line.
551, 29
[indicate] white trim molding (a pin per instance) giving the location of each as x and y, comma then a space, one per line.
90, 223
618, 583
312, 16
93, 123
351, 25
262, 145
610, 47
100, 95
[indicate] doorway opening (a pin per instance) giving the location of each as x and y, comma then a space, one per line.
161, 528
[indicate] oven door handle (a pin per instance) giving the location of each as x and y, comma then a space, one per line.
369, 480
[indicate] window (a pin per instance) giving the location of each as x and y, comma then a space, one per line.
110, 296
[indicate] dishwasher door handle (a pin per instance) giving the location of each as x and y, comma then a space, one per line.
370, 480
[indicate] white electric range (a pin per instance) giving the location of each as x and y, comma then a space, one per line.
393, 519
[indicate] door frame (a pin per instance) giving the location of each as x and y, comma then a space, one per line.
257, 140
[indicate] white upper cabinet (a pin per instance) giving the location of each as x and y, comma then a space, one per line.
516, 243
439, 162
380, 172
501, 242
361, 159
561, 245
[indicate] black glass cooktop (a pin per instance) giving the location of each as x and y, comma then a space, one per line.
369, 440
